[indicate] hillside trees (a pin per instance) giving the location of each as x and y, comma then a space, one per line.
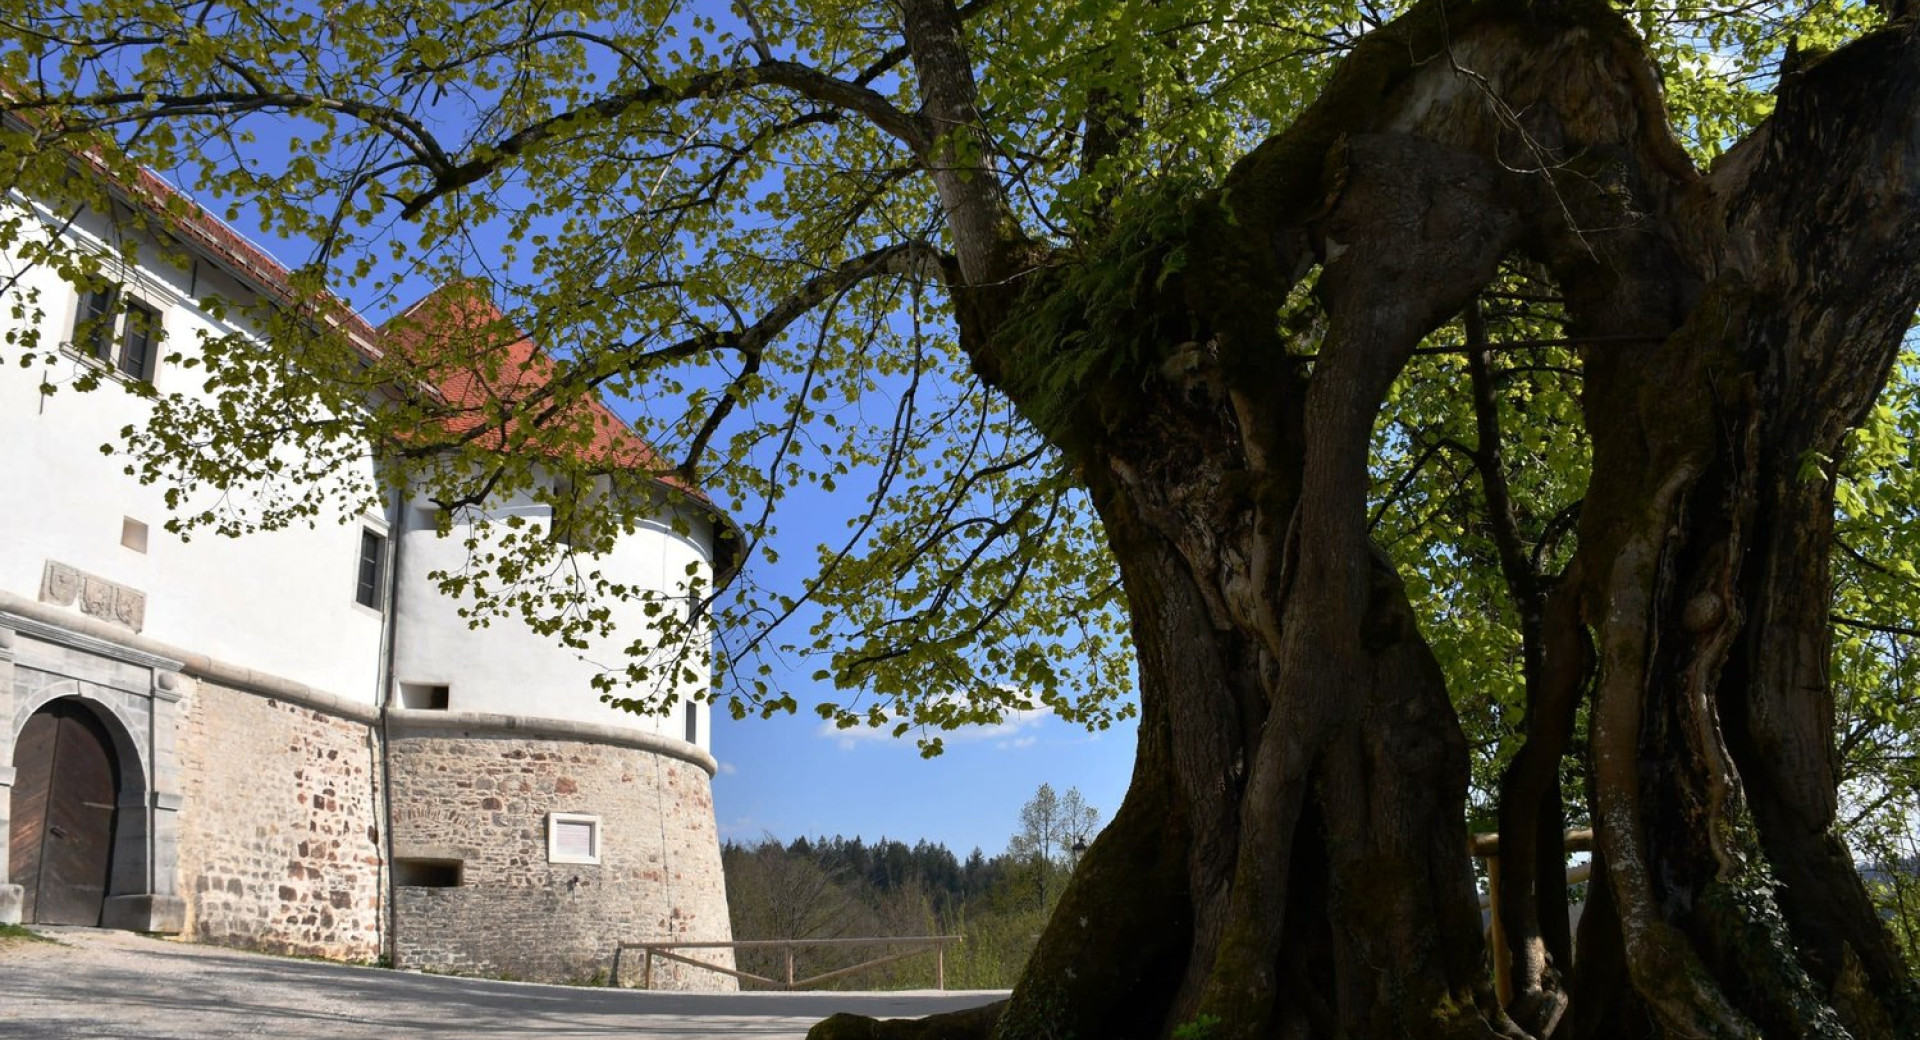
1051, 825
840, 887
1116, 287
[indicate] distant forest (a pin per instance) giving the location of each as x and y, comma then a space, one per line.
838, 887
829, 888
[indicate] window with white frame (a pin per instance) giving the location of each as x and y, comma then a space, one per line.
113, 327
573, 838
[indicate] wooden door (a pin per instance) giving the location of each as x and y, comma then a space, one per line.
65, 794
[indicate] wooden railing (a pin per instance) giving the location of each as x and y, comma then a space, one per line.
1487, 847
664, 951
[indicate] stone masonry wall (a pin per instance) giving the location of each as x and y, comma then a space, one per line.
482, 799
279, 838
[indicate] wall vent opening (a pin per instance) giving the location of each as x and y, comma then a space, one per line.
428, 873
424, 696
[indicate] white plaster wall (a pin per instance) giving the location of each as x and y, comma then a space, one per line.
277, 602
507, 668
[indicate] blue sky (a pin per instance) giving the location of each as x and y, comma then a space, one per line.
791, 776
796, 775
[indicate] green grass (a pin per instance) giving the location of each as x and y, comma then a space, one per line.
14, 931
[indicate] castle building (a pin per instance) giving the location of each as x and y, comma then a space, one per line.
293, 740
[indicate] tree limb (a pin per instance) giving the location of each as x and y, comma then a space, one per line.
804, 80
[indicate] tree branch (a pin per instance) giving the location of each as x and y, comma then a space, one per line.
1872, 626
979, 217
804, 80
906, 259
1523, 584
891, 58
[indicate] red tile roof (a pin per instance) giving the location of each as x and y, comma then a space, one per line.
486, 369
484, 366
222, 243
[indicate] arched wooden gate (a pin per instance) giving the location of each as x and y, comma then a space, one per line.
66, 795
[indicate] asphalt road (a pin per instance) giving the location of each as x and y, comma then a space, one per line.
121, 986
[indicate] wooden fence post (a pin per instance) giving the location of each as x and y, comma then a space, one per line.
1497, 936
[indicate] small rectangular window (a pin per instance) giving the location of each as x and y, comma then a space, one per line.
133, 534
139, 333
93, 325
573, 838
373, 560
693, 722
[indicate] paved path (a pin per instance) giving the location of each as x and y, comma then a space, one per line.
121, 986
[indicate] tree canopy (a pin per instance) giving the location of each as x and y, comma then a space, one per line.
723, 217
1412, 412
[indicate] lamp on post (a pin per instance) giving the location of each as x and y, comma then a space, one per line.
1079, 846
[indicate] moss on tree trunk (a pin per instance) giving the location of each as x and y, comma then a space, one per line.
1291, 860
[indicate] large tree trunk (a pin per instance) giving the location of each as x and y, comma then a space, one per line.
1291, 860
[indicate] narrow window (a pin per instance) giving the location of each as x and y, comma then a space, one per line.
138, 335
93, 325
693, 722
373, 556
566, 507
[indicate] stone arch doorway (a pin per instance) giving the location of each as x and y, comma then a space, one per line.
64, 813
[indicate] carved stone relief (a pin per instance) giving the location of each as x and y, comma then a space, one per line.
66, 586
60, 585
96, 597
130, 607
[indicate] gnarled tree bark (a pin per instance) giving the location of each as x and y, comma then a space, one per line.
1291, 859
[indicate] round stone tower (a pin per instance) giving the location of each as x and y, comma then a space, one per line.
533, 827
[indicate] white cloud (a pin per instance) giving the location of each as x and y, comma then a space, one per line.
1011, 733
727, 769
854, 736
1015, 722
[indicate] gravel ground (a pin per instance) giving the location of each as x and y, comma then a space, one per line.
122, 986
